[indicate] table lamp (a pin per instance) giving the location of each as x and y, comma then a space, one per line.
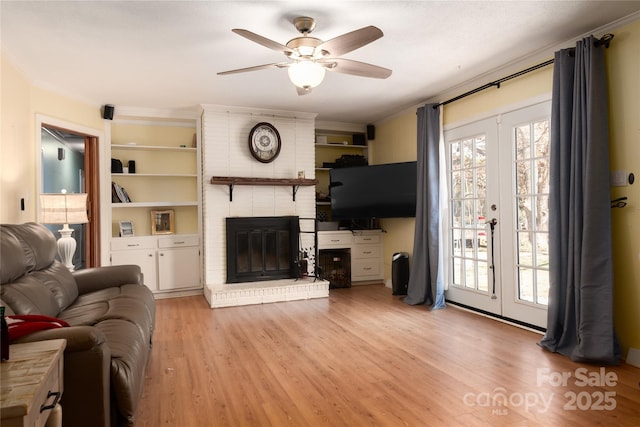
64, 209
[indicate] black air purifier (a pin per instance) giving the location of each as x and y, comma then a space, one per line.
400, 273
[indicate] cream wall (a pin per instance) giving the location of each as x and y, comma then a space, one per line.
395, 142
397, 139
623, 68
20, 103
16, 147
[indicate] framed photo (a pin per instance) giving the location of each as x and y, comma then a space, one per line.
126, 229
162, 222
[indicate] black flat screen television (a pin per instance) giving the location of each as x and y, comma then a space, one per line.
376, 191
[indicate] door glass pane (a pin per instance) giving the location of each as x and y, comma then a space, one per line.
468, 184
525, 279
532, 208
523, 143
542, 284
457, 271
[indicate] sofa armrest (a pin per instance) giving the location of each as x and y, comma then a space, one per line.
97, 278
87, 367
79, 338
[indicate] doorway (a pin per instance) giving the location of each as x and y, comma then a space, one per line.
69, 164
498, 214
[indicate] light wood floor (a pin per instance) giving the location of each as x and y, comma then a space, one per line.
363, 358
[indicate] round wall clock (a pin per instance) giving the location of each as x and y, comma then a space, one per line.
264, 142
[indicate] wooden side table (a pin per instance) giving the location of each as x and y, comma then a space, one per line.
31, 384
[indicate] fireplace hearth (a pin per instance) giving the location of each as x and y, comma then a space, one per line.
261, 248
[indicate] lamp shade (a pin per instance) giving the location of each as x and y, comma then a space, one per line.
306, 74
63, 208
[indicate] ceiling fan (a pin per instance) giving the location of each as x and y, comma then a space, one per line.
309, 57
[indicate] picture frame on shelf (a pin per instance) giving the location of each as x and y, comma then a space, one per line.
162, 221
126, 229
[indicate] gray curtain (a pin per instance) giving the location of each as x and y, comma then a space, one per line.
425, 281
580, 315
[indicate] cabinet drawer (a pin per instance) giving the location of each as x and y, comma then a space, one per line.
178, 241
365, 269
366, 251
334, 240
367, 238
126, 243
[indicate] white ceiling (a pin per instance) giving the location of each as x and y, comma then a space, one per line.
165, 54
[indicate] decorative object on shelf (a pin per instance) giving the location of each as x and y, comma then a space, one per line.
116, 166
264, 142
119, 194
162, 222
64, 209
132, 166
126, 229
349, 160
359, 139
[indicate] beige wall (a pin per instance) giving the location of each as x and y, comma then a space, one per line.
623, 61
16, 147
397, 143
20, 103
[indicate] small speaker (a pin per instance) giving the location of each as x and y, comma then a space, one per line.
132, 166
107, 112
371, 132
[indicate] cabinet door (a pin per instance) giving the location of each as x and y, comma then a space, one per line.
179, 268
145, 258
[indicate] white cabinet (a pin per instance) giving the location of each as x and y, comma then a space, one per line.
366, 258
365, 250
178, 262
168, 263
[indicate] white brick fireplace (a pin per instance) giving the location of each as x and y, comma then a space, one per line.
225, 134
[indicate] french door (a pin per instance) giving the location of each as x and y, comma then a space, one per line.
497, 224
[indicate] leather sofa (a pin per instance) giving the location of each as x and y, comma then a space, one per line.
111, 316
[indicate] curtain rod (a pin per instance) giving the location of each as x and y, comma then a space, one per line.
604, 41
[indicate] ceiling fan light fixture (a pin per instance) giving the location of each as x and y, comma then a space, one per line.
306, 74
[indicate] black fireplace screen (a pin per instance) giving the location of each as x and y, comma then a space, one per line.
261, 248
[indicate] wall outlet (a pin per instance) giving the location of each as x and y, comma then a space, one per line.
618, 178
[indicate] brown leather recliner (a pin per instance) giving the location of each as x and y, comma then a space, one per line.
111, 313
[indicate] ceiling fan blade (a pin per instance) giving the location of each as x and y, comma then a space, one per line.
255, 68
351, 41
356, 68
263, 41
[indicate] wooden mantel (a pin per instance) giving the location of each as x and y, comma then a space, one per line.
232, 181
